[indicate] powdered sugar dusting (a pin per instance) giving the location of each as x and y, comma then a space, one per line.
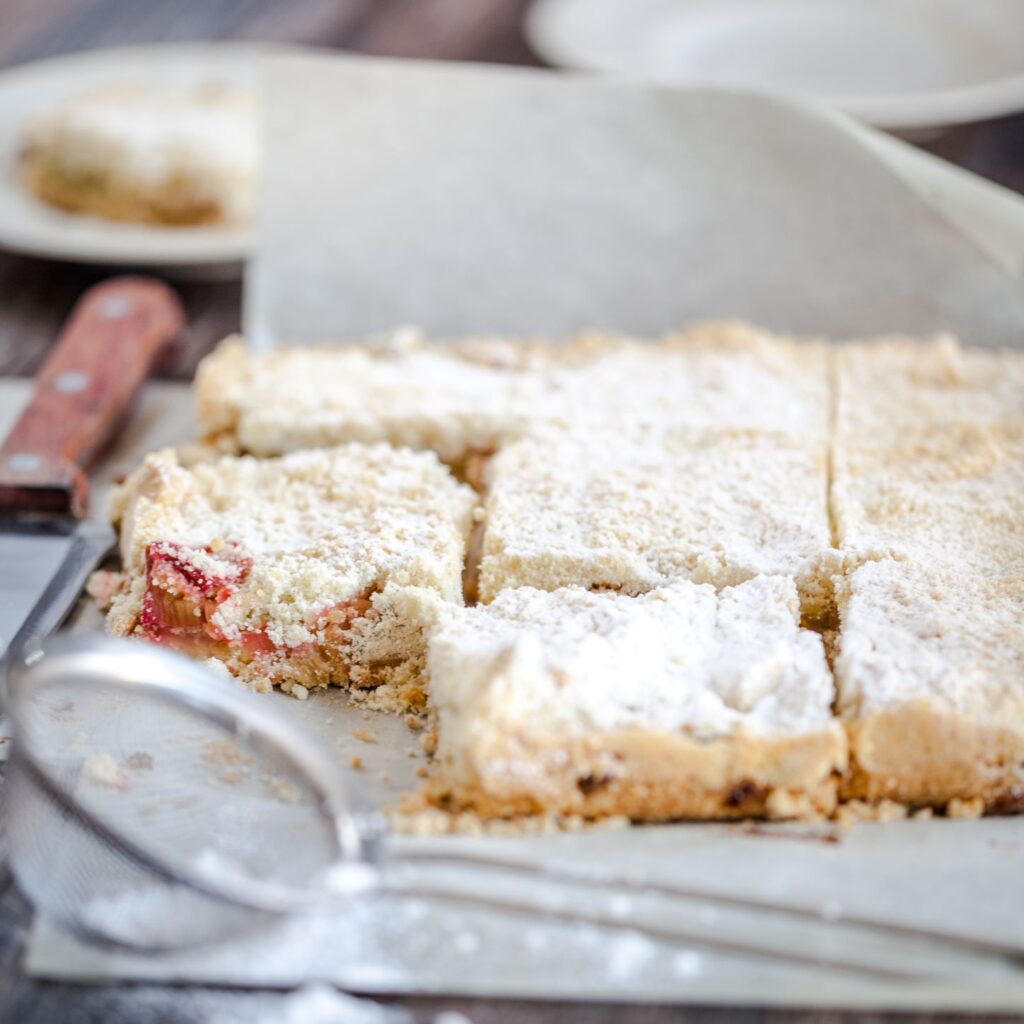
678, 657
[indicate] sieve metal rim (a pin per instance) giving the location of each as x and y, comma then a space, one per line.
177, 679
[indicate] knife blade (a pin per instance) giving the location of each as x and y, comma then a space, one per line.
105, 351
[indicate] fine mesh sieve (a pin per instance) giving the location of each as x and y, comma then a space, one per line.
155, 805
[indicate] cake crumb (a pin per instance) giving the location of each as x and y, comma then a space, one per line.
413, 722
783, 804
428, 741
365, 735
356, 763
102, 587
859, 810
140, 761
972, 808
102, 770
421, 772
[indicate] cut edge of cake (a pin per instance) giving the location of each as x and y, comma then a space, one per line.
500, 760
262, 593
930, 677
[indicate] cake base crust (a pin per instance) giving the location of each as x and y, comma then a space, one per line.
920, 755
648, 776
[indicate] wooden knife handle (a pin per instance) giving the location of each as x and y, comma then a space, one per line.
104, 352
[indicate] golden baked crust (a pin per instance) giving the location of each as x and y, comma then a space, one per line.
921, 754
682, 702
885, 480
649, 776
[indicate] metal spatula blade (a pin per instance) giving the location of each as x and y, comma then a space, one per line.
45, 566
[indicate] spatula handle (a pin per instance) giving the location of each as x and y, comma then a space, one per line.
104, 352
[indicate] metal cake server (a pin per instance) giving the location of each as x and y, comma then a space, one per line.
105, 351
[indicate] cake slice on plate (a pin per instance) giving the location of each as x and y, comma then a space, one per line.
277, 567
142, 153
677, 703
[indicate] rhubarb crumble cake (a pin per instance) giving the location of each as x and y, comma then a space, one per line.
659, 521
479, 394
931, 684
639, 509
154, 155
928, 500
929, 454
453, 400
682, 702
295, 571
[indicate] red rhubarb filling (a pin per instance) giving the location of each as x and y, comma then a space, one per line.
184, 588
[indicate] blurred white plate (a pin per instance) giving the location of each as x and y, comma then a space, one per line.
31, 227
897, 64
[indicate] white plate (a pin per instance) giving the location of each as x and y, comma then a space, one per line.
31, 227
898, 64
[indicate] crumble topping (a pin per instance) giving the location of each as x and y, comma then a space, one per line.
929, 454
479, 394
280, 567
639, 510
679, 657
912, 634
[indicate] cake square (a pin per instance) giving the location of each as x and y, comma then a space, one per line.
477, 395
635, 510
277, 567
930, 675
722, 378
928, 454
681, 702
453, 400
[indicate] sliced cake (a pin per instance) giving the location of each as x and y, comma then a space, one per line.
638, 509
452, 400
928, 455
276, 567
931, 684
149, 154
474, 396
681, 702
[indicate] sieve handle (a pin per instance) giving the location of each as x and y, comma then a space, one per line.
599, 882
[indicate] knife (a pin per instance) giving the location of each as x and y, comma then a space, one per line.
105, 351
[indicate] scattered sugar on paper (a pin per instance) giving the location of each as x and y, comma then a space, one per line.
102, 770
155, 916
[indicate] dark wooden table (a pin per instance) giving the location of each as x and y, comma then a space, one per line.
35, 295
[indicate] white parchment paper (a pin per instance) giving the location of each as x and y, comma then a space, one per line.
468, 199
